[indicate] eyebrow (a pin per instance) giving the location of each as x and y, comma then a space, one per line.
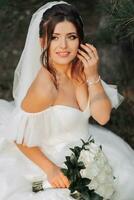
67, 33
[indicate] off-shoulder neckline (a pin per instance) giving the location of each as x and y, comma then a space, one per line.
54, 106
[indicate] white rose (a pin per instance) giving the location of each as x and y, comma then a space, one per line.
93, 148
93, 185
105, 190
108, 169
87, 156
97, 170
101, 178
101, 160
91, 171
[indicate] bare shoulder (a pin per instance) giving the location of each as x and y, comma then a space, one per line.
41, 93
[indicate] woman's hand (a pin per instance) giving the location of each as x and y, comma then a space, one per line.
56, 178
90, 59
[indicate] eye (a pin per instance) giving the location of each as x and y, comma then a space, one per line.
54, 38
73, 37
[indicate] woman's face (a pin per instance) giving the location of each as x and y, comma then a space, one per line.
64, 44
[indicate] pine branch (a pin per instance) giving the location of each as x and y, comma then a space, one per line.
119, 19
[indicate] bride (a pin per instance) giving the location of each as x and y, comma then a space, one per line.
52, 104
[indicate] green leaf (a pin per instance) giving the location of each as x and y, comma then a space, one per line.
86, 196
76, 151
101, 147
83, 189
68, 158
84, 143
72, 174
73, 187
81, 165
84, 181
74, 160
95, 196
65, 171
68, 163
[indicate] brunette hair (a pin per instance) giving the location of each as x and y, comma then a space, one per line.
55, 14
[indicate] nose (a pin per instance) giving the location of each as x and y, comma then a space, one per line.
63, 43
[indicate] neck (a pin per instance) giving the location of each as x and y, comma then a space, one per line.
63, 70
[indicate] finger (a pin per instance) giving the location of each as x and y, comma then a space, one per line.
82, 59
55, 182
54, 185
88, 50
65, 180
93, 49
85, 55
61, 183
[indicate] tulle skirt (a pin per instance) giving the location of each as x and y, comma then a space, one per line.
15, 167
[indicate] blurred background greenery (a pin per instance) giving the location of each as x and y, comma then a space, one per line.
109, 25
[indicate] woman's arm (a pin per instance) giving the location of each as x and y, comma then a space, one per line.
36, 155
40, 96
100, 105
54, 174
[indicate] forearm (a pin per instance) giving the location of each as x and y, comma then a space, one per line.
36, 155
100, 104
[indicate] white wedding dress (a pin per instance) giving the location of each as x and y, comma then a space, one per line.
54, 130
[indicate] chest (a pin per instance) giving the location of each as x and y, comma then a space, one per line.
72, 95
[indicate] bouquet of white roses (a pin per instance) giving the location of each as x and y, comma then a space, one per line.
89, 172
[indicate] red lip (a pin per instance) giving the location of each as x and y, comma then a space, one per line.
63, 53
